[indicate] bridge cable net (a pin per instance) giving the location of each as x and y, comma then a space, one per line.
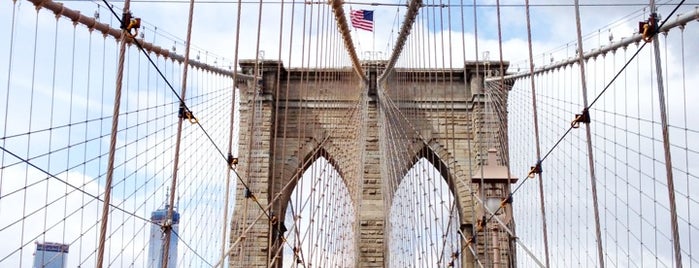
305, 110
58, 102
439, 126
147, 135
627, 144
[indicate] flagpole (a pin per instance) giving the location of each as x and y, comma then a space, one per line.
373, 39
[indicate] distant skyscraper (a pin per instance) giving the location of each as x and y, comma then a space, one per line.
157, 239
50, 255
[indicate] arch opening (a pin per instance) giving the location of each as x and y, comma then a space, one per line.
424, 220
320, 218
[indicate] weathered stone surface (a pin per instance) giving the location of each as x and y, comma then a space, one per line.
288, 120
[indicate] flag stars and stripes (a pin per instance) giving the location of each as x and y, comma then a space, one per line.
362, 19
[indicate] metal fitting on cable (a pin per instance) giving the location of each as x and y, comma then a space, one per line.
167, 226
249, 194
534, 170
187, 114
480, 225
129, 23
232, 161
649, 28
583, 117
506, 200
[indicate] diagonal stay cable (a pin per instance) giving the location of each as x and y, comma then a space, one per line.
585, 110
96, 197
628, 62
186, 109
191, 249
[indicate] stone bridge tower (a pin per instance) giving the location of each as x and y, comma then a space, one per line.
296, 120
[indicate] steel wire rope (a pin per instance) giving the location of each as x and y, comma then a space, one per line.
677, 249
138, 44
84, 159
300, 134
233, 244
446, 128
128, 61
112, 145
31, 104
486, 116
480, 200
253, 128
294, 225
318, 48
454, 209
286, 91
686, 141
324, 65
273, 172
315, 206
138, 147
388, 148
630, 60
393, 147
527, 250
50, 139
186, 108
470, 114
390, 151
632, 4
176, 39
68, 184
304, 164
431, 75
7, 89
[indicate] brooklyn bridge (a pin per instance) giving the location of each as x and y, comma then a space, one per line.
423, 133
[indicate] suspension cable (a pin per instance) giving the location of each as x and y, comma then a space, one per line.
536, 136
677, 250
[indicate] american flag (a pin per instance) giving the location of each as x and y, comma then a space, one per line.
363, 19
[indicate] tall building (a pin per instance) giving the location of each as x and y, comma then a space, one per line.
157, 239
50, 255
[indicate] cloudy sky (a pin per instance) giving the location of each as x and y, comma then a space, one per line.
214, 38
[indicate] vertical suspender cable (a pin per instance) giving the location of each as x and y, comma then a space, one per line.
593, 178
230, 135
112, 145
347, 38
178, 140
536, 135
666, 147
273, 174
488, 116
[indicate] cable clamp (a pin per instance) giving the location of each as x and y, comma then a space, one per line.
584, 117
649, 28
187, 114
249, 194
533, 171
506, 200
167, 226
232, 161
469, 241
480, 224
129, 23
